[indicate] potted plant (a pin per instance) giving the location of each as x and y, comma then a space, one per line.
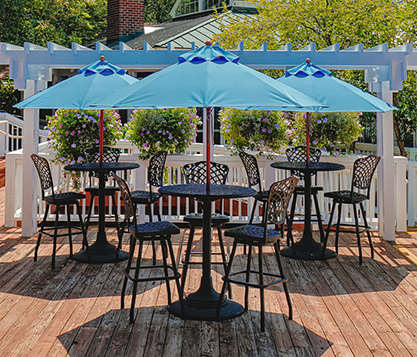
72, 131
330, 132
153, 130
256, 130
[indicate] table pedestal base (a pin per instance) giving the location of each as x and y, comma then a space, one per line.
101, 253
202, 305
307, 255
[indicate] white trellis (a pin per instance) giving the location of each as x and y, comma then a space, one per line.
385, 69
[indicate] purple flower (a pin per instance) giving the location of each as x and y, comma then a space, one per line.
60, 125
319, 121
277, 126
337, 153
266, 119
263, 130
324, 120
315, 142
62, 158
324, 148
74, 145
269, 131
84, 126
97, 141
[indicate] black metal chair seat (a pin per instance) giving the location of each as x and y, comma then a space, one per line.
251, 234
65, 198
346, 196
145, 197
139, 233
314, 189
154, 229
108, 190
196, 219
261, 196
274, 212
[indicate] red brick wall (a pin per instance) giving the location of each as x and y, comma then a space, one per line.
124, 17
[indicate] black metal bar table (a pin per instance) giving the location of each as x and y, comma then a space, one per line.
307, 248
101, 251
202, 304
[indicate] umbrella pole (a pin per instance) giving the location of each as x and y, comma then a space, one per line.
101, 135
208, 146
308, 121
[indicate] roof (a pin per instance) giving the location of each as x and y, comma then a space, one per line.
181, 34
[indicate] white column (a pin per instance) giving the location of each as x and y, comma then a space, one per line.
401, 193
30, 176
385, 149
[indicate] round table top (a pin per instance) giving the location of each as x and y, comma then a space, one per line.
312, 166
106, 166
200, 192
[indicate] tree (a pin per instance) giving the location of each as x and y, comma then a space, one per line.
158, 10
59, 21
329, 22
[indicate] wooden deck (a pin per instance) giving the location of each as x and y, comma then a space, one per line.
340, 308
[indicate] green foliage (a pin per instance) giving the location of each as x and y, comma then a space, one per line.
255, 130
8, 96
331, 132
173, 130
158, 10
326, 23
59, 21
73, 131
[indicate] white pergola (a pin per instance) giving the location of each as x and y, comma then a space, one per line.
385, 69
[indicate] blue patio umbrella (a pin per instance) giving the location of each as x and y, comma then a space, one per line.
92, 83
336, 95
209, 77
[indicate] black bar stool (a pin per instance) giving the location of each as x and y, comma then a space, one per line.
139, 233
57, 199
258, 236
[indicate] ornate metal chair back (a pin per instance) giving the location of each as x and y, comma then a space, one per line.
299, 154
109, 155
126, 197
279, 197
156, 170
363, 171
197, 173
45, 175
252, 169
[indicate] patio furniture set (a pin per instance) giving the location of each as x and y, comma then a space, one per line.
206, 303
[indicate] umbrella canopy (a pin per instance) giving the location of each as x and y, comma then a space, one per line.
92, 83
335, 94
209, 77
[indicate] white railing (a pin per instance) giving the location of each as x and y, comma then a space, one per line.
11, 133
370, 149
174, 208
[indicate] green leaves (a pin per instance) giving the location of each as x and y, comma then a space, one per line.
173, 130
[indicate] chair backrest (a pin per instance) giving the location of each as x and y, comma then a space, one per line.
363, 171
197, 173
126, 197
156, 169
109, 155
279, 197
252, 169
299, 154
44, 172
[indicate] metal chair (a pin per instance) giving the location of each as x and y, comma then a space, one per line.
258, 236
363, 171
252, 170
299, 154
56, 199
109, 155
196, 173
139, 233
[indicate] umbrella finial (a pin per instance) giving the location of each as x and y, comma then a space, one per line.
102, 58
208, 43
308, 60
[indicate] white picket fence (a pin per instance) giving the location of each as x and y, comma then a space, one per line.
137, 179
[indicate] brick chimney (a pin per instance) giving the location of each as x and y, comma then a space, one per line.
125, 18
